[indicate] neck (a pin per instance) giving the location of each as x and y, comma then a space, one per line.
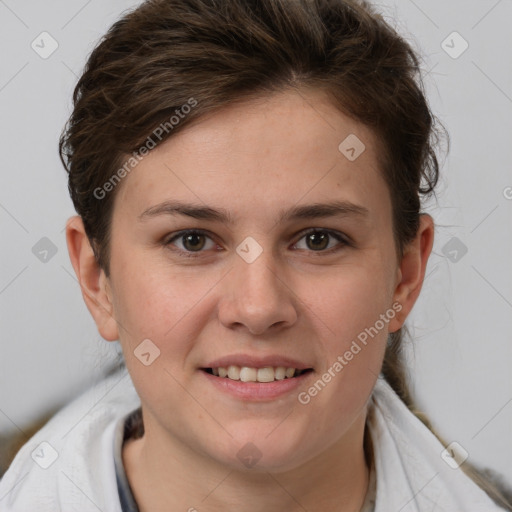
336, 479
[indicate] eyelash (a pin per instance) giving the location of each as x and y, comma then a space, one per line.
196, 254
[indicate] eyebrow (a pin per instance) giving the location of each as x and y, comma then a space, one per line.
310, 211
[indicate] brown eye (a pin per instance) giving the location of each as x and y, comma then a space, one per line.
193, 242
317, 241
190, 242
322, 240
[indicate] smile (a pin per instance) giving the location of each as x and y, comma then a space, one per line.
262, 375
264, 384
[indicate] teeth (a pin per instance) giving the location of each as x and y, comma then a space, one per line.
234, 372
280, 373
265, 374
290, 372
246, 374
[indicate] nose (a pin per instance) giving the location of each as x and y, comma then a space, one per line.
256, 297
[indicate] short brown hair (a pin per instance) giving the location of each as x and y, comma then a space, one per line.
158, 56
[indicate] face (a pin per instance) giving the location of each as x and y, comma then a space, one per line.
224, 256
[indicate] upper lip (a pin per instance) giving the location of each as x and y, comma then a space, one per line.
251, 361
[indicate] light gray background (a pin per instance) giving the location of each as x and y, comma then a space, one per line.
462, 352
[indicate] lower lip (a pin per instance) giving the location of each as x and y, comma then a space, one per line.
256, 391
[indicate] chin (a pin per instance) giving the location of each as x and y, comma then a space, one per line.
263, 453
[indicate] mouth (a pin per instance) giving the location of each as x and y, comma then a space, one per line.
262, 375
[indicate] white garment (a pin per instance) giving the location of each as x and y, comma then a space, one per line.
411, 475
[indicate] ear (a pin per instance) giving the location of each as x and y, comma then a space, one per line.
411, 270
93, 282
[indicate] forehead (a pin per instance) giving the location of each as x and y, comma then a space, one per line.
290, 147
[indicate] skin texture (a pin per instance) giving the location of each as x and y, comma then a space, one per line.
254, 160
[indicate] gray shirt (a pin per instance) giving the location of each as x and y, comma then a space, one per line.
125, 429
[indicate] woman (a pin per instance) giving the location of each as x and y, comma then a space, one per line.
247, 178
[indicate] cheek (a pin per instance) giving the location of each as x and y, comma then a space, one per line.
162, 304
156, 304
349, 298
352, 315
349, 311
